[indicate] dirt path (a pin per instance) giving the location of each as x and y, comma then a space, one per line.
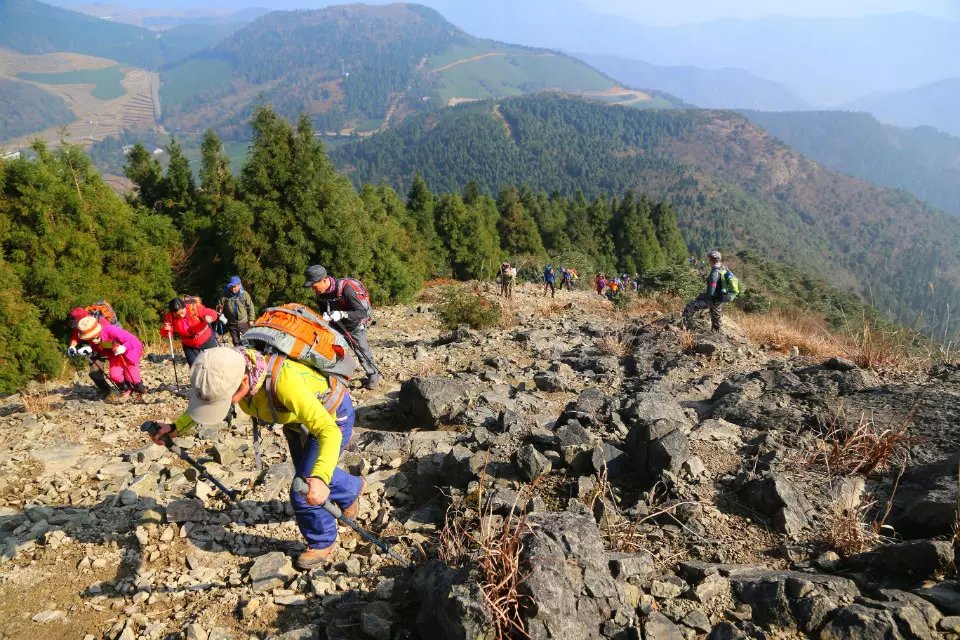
493, 54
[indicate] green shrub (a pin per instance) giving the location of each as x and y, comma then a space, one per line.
457, 307
675, 279
752, 301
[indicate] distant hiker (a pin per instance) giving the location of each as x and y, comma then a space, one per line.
508, 275
346, 304
236, 306
601, 283
722, 286
549, 280
190, 321
317, 415
122, 351
567, 279
614, 292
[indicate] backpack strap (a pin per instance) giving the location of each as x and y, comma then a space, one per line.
332, 398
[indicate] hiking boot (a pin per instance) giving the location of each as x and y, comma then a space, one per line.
117, 398
354, 508
314, 557
373, 382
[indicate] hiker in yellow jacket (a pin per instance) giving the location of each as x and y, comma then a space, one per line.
317, 416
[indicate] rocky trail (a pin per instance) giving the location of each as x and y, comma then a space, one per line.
582, 472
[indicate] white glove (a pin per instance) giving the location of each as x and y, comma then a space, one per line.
71, 351
119, 350
85, 350
335, 316
223, 318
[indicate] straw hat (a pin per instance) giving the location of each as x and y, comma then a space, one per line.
88, 328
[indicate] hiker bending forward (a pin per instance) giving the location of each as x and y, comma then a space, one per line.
122, 351
317, 417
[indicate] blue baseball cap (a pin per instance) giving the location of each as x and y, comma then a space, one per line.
234, 281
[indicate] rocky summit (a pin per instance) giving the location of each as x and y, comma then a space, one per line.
576, 472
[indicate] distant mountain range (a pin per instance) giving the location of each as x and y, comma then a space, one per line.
936, 104
733, 186
709, 88
361, 68
921, 161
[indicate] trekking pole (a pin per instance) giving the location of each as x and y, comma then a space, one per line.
150, 427
356, 347
173, 359
300, 486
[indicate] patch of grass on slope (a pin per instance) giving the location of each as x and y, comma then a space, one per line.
192, 78
510, 75
106, 81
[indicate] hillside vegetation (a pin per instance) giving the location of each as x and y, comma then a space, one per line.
922, 161
33, 27
25, 108
360, 68
732, 185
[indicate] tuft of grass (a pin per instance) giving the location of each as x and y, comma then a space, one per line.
849, 530
37, 403
783, 331
686, 339
879, 349
615, 343
859, 448
495, 547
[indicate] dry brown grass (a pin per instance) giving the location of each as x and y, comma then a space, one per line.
495, 547
877, 349
616, 343
783, 331
848, 530
686, 339
848, 448
38, 402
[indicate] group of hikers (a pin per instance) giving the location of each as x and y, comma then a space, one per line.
288, 367
294, 373
568, 278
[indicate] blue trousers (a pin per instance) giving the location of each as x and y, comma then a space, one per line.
315, 523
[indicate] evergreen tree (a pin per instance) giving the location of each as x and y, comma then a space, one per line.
145, 172
400, 266
519, 235
635, 237
420, 204
668, 234
468, 235
178, 191
216, 179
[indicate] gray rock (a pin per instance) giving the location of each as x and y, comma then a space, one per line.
586, 409
659, 627
945, 596
549, 381
667, 587
432, 401
531, 463
839, 364
48, 616
726, 631
573, 434
858, 622
303, 633
774, 596
376, 620
665, 454
452, 605
925, 503
697, 620
776, 496
653, 415
271, 571
607, 459
568, 577
639, 567
186, 511
915, 560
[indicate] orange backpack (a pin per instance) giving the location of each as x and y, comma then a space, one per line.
193, 304
299, 332
102, 309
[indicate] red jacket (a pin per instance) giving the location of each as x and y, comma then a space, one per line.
191, 330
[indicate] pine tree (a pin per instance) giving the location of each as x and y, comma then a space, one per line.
469, 234
145, 172
635, 237
668, 234
519, 235
178, 191
420, 204
216, 179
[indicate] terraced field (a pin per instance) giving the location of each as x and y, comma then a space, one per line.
105, 97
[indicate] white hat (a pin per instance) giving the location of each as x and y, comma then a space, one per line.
214, 378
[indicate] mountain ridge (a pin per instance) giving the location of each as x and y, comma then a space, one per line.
732, 185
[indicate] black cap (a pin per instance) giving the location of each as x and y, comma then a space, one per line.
175, 305
314, 273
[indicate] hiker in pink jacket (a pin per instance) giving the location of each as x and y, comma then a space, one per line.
122, 350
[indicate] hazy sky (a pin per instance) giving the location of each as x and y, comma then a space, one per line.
687, 11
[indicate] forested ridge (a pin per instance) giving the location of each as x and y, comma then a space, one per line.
67, 239
921, 161
25, 108
732, 186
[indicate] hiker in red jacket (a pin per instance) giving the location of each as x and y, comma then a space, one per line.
190, 323
122, 350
